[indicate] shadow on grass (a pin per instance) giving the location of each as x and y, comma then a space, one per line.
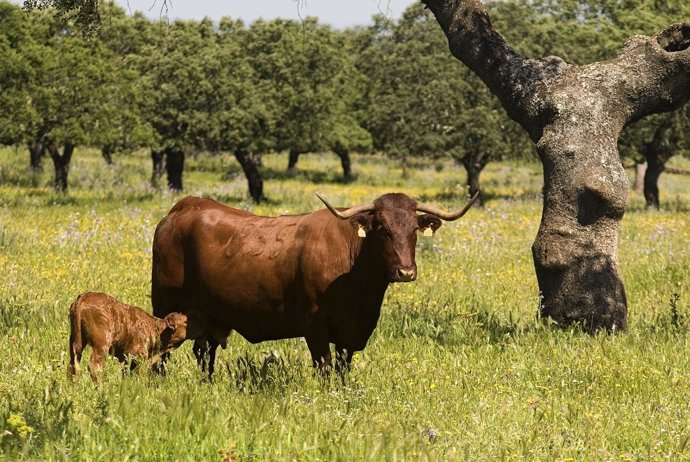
312, 176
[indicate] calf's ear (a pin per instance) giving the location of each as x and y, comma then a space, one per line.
171, 321
362, 222
428, 222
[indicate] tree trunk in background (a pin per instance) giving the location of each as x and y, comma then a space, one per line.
640, 169
174, 166
248, 161
37, 150
61, 163
651, 184
158, 160
574, 115
662, 147
344, 155
293, 157
107, 153
474, 165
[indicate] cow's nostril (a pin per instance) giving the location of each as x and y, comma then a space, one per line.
406, 274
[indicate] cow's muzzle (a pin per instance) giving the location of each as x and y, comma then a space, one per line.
404, 275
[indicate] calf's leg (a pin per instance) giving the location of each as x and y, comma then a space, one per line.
75, 351
97, 361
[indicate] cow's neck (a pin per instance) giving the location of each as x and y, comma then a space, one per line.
368, 264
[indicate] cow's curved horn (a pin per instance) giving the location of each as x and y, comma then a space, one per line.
447, 216
349, 213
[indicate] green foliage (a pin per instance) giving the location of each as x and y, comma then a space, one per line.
458, 368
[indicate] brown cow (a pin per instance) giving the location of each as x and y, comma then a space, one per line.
321, 276
110, 326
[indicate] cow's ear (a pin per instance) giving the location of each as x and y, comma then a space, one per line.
428, 222
362, 222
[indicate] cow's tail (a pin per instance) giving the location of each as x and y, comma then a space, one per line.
76, 341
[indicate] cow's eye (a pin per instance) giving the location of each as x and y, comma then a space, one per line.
382, 231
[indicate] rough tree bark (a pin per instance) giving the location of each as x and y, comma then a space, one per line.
657, 152
61, 164
174, 166
574, 115
249, 163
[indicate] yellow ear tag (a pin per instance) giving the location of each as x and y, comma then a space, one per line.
361, 232
428, 231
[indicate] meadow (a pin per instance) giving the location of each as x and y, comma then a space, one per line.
459, 368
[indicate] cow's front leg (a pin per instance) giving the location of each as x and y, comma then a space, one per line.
319, 347
343, 359
159, 366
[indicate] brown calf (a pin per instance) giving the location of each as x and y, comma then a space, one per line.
122, 330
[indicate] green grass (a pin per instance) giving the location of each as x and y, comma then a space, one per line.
458, 368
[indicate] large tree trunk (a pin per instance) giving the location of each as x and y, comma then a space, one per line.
174, 166
249, 162
158, 161
662, 147
574, 114
61, 163
344, 155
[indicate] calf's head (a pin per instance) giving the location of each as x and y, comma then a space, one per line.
175, 328
392, 222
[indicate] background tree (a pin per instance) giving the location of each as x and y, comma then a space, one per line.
655, 140
309, 71
423, 103
175, 76
123, 108
63, 92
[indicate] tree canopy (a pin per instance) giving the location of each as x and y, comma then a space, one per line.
281, 85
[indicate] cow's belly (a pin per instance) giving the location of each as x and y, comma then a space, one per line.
253, 312
259, 328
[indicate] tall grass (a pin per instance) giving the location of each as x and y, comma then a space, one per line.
459, 367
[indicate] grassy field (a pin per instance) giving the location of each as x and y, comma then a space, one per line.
459, 368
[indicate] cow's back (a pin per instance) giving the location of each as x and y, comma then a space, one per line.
173, 255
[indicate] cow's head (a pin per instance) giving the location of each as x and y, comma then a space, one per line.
392, 222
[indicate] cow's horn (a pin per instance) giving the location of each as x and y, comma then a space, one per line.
447, 216
349, 213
